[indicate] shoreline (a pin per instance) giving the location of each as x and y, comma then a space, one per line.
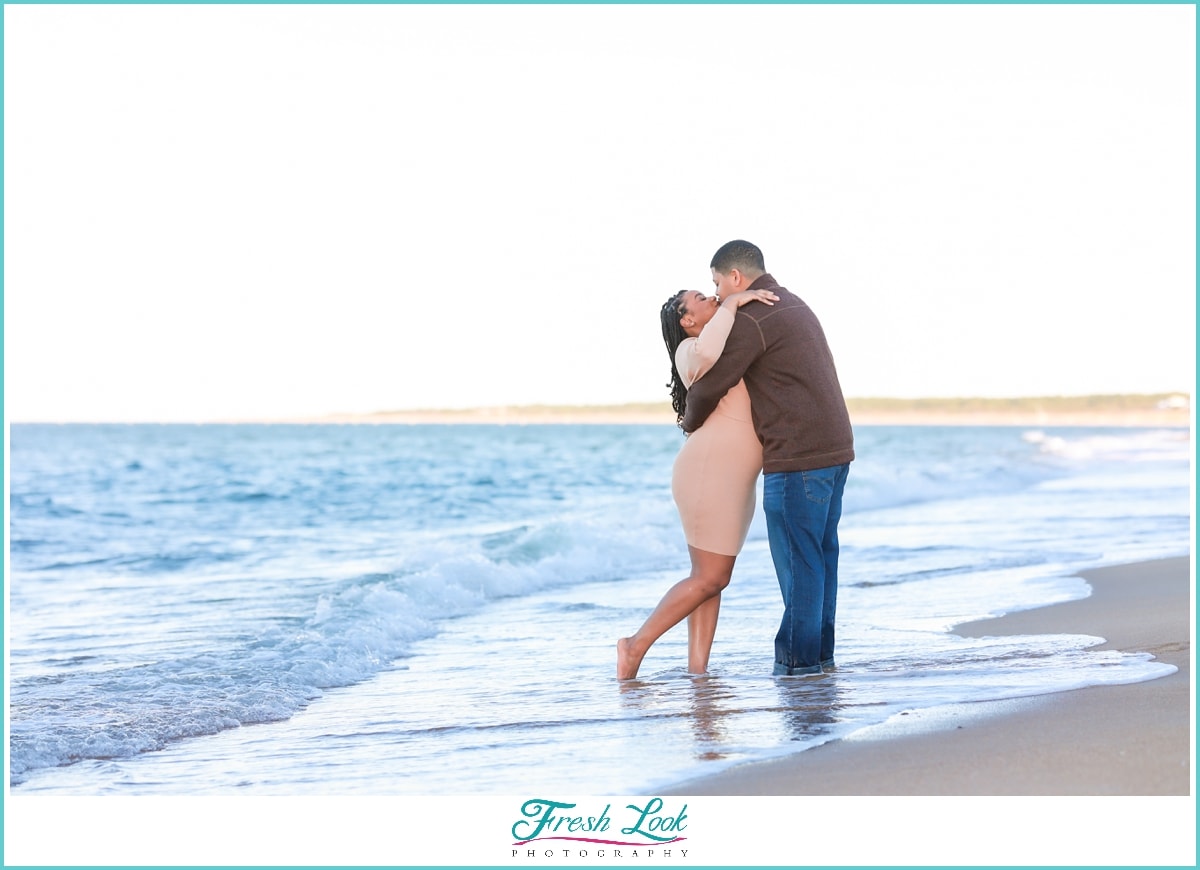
1024, 414
1132, 410
499, 417
1131, 740
1140, 411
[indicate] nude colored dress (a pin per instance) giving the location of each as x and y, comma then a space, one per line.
717, 468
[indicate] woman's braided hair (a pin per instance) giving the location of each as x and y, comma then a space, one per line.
674, 335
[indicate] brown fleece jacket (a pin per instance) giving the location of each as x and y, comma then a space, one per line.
795, 397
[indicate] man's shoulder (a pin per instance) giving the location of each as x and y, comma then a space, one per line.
787, 304
785, 295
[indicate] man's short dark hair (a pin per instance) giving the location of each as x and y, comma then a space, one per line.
740, 255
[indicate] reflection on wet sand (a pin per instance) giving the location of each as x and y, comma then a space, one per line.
807, 711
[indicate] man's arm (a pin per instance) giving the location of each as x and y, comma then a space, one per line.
742, 348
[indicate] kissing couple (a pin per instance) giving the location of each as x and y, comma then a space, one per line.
755, 390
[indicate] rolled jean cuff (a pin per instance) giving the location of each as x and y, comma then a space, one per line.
785, 671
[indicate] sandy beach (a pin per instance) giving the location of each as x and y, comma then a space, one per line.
1129, 740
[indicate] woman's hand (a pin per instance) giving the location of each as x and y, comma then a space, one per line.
737, 300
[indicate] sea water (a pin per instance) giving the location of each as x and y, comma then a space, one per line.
428, 609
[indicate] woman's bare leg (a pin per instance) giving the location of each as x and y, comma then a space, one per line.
710, 574
702, 628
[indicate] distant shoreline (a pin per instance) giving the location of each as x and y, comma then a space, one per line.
517, 417
1155, 410
1165, 409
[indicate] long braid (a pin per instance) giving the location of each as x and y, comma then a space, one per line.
674, 335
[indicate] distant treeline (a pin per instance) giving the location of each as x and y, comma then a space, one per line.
1111, 402
1104, 403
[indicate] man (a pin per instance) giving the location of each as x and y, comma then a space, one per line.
801, 419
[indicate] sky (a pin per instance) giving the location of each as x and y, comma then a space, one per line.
259, 212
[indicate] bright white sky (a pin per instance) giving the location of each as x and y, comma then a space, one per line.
261, 211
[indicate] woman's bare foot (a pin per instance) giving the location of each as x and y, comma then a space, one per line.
628, 661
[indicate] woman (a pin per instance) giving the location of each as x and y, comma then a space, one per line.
713, 481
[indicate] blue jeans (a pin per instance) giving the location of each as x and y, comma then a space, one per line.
803, 509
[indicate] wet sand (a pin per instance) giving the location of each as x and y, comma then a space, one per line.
1127, 740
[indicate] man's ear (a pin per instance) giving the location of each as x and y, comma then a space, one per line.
738, 279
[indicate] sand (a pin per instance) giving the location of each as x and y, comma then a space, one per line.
1130, 740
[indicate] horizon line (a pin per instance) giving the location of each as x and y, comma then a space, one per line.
1083, 403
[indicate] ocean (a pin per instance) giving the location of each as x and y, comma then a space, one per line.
432, 609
